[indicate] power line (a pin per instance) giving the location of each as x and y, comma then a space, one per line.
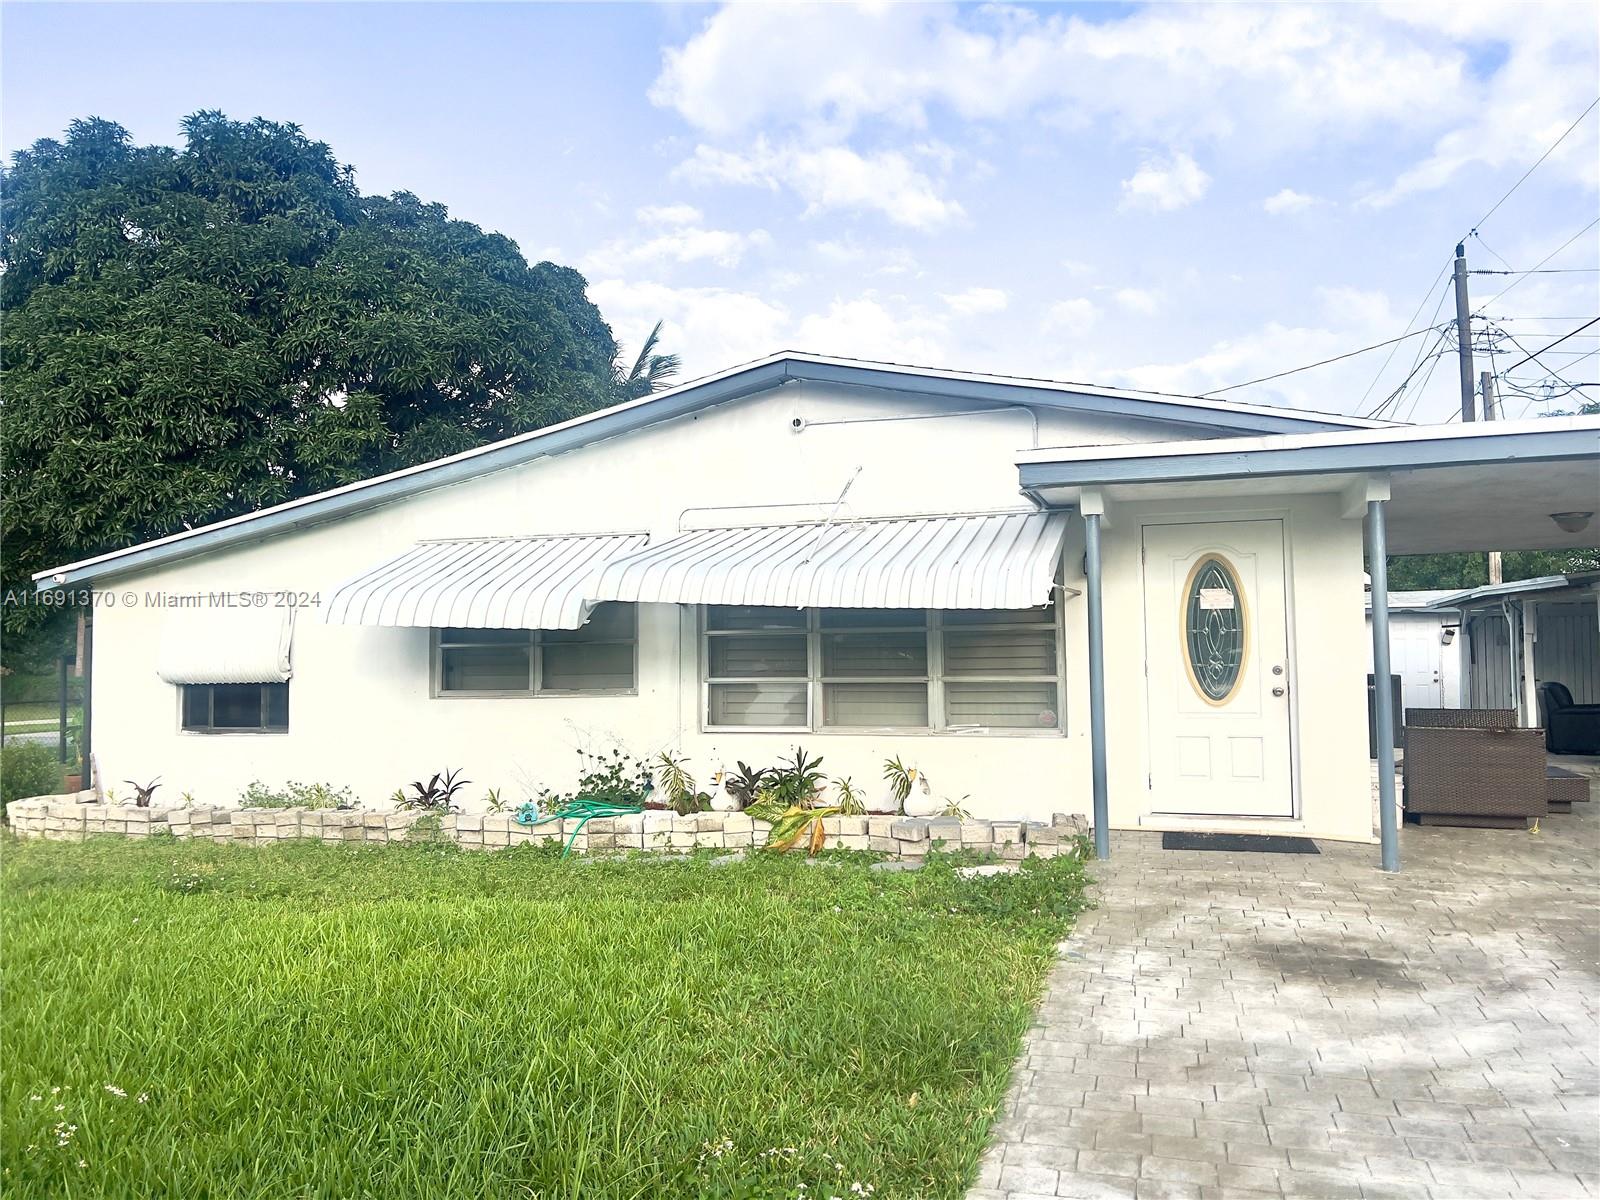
1309, 366
1551, 346
1412, 320
1550, 271
1478, 237
1495, 207
1545, 259
1429, 357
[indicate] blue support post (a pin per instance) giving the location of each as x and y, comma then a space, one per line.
1382, 697
1097, 685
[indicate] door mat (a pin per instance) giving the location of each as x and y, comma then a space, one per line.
1239, 843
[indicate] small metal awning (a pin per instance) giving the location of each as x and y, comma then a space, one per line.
483, 583
992, 561
226, 645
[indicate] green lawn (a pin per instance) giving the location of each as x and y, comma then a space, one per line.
417, 1021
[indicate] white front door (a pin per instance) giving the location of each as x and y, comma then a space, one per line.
1217, 669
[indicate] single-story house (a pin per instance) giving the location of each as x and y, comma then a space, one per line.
1047, 596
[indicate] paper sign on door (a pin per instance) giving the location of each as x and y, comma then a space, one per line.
1215, 598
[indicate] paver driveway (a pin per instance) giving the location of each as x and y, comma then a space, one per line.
1247, 1025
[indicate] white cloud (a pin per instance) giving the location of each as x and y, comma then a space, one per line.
711, 327
1288, 201
715, 327
1138, 300
669, 214
724, 247
873, 327
1163, 186
1070, 315
830, 177
1257, 79
976, 301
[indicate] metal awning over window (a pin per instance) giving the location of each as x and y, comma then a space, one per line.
1004, 560
222, 644
483, 583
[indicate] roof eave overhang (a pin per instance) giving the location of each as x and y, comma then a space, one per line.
1545, 445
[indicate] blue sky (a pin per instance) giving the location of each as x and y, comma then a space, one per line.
1172, 197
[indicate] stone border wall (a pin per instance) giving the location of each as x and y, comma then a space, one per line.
74, 818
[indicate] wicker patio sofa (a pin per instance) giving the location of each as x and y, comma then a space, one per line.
1473, 767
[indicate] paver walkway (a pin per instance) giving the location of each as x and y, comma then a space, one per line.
1277, 1025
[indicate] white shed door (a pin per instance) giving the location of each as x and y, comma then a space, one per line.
1217, 667
1416, 654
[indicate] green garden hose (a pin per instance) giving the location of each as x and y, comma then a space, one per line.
581, 811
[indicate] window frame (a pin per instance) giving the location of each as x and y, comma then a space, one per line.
935, 679
535, 643
212, 729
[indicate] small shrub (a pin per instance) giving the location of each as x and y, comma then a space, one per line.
745, 784
438, 795
143, 793
614, 778
296, 795
28, 769
796, 782
850, 804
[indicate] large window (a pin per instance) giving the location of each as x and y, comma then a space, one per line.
845, 668
236, 707
597, 659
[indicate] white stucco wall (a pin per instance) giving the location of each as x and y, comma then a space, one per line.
362, 714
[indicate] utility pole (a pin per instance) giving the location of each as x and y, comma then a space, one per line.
1464, 332
1491, 412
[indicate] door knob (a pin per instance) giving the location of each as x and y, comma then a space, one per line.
1277, 691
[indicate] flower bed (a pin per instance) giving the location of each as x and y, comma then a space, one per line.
75, 817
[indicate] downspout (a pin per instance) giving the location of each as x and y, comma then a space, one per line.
1382, 696
1514, 653
1530, 662
1097, 673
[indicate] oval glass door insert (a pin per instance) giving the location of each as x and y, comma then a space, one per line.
1213, 629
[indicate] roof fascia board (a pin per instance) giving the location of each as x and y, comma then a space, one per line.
1170, 409
1490, 593
1391, 454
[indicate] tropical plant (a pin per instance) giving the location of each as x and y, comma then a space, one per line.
800, 825
28, 769
672, 776
143, 792
797, 781
765, 807
437, 795
850, 803
953, 808
746, 783
493, 802
901, 778
650, 371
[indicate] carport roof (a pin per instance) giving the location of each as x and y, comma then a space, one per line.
1487, 486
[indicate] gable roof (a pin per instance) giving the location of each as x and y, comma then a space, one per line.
1224, 416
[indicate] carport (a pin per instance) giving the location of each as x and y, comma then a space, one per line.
1527, 485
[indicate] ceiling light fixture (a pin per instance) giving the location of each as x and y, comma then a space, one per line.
1571, 522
